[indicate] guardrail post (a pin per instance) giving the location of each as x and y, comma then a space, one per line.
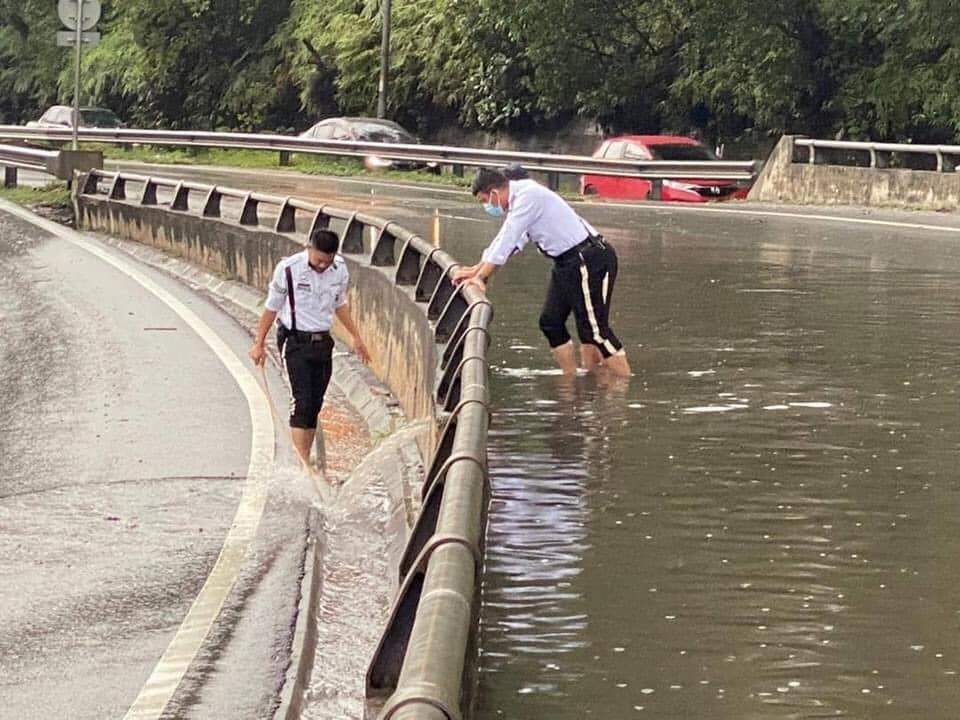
813, 155
457, 170
181, 196
321, 221
553, 181
284, 158
408, 269
211, 206
248, 216
939, 161
873, 158
118, 188
149, 195
383, 250
9, 176
286, 218
352, 240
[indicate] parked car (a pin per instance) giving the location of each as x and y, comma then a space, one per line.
361, 129
658, 147
61, 116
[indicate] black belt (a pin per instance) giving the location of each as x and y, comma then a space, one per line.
567, 255
306, 335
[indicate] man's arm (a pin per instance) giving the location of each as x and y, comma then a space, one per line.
276, 296
512, 238
258, 352
343, 315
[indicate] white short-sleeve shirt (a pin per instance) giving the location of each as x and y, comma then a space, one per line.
538, 214
317, 295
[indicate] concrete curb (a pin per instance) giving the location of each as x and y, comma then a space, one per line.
304, 645
371, 399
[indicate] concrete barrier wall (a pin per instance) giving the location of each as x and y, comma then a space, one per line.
800, 183
429, 339
397, 333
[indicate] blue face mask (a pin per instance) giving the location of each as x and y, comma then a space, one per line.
493, 210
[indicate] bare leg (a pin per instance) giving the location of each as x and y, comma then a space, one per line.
566, 358
590, 357
618, 364
302, 442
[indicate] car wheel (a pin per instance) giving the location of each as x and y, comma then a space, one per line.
590, 190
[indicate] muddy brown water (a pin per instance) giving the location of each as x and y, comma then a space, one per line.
763, 523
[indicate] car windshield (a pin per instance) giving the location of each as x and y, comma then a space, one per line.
99, 118
382, 132
681, 152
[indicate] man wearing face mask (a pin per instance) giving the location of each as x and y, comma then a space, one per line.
308, 289
584, 268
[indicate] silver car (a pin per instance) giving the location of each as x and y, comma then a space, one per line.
61, 116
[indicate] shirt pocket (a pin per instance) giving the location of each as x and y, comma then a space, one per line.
328, 299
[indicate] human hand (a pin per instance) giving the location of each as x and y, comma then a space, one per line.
258, 354
478, 282
361, 350
462, 274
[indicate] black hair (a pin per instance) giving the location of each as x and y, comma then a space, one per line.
487, 179
324, 240
515, 171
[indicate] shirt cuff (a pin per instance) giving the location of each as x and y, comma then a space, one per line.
493, 257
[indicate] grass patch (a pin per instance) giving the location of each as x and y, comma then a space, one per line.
270, 160
54, 195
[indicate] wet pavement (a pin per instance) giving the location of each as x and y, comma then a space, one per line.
113, 501
763, 523
123, 452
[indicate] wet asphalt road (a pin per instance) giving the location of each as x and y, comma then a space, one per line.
762, 523
124, 443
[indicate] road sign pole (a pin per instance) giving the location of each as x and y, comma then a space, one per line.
76, 77
384, 60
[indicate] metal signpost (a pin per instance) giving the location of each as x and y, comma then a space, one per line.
79, 16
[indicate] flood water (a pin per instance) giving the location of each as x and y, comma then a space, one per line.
764, 523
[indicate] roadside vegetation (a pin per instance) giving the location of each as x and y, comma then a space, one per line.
883, 69
54, 195
266, 160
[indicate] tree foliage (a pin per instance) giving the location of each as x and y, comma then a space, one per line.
887, 69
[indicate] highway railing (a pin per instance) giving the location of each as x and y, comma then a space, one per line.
438, 154
425, 661
14, 158
61, 164
938, 158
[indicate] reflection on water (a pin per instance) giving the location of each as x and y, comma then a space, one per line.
763, 524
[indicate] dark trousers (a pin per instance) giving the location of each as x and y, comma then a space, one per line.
309, 365
582, 283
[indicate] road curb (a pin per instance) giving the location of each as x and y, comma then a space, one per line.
382, 415
303, 647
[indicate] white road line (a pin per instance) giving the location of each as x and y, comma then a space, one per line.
169, 671
677, 207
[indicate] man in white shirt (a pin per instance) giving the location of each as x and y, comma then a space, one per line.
584, 268
306, 291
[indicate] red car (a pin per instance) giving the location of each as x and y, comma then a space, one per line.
658, 147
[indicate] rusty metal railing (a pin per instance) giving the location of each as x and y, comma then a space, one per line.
424, 656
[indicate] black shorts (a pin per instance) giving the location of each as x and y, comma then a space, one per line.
309, 365
582, 283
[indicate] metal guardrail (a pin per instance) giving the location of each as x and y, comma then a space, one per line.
947, 156
422, 659
18, 157
439, 154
